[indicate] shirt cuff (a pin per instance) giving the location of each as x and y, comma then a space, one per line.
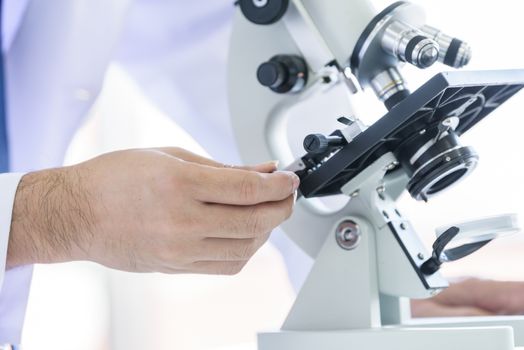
8, 185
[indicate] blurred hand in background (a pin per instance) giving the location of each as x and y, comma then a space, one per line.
473, 297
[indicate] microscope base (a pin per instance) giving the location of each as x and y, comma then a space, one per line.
515, 322
391, 338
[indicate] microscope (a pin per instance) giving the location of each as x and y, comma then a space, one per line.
368, 258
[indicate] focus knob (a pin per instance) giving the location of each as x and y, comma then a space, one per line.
272, 74
263, 12
283, 73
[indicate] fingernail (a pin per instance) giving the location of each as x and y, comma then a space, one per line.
274, 163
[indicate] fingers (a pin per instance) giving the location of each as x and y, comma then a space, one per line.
430, 308
473, 297
188, 156
218, 267
237, 185
225, 249
240, 222
268, 167
216, 256
501, 298
240, 187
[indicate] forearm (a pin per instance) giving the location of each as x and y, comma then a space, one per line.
50, 208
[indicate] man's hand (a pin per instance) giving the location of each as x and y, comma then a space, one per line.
473, 297
164, 210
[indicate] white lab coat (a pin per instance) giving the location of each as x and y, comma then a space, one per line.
56, 56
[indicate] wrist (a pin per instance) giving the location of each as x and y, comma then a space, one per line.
50, 217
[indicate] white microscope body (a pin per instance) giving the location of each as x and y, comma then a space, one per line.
368, 258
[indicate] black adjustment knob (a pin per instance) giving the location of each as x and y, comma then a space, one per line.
283, 73
315, 143
272, 74
318, 143
263, 11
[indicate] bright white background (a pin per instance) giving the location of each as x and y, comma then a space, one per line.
84, 306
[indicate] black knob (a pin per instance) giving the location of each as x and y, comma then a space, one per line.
442, 254
272, 74
318, 143
263, 11
283, 73
315, 143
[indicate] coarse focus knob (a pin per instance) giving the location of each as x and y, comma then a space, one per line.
283, 73
263, 12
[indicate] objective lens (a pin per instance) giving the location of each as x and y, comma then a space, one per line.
453, 52
410, 45
390, 87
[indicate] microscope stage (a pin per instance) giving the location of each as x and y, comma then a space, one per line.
465, 96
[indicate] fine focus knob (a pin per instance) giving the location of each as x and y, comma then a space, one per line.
283, 73
272, 74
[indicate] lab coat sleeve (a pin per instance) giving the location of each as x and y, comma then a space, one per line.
8, 186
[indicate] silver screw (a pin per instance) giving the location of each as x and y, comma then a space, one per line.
355, 194
381, 190
450, 123
420, 256
391, 166
348, 235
